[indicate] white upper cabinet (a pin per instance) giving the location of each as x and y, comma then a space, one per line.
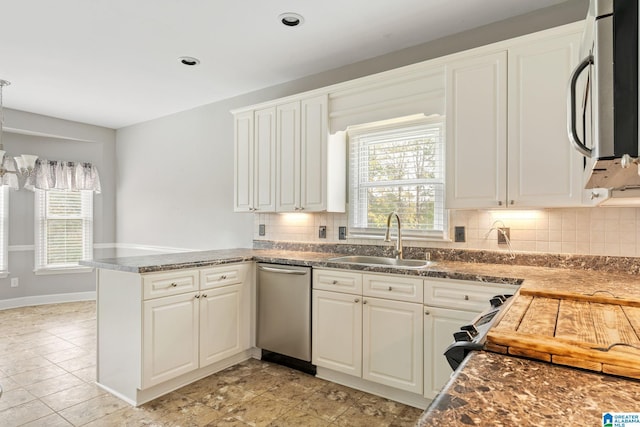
292, 164
315, 193
288, 157
255, 161
243, 162
506, 133
544, 169
264, 182
476, 131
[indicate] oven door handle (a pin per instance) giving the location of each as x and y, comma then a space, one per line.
571, 107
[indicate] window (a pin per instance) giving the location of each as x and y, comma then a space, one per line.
397, 167
64, 228
4, 229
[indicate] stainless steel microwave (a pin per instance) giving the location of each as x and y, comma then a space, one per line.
603, 96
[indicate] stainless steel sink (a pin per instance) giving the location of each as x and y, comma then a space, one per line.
376, 260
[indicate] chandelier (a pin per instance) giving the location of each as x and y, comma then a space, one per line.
24, 164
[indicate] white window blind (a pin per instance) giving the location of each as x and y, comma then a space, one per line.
64, 228
4, 228
398, 168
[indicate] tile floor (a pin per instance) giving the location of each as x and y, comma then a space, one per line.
47, 371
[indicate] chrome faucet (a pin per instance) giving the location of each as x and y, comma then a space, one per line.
387, 237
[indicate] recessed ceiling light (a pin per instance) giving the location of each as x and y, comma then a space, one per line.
189, 60
291, 19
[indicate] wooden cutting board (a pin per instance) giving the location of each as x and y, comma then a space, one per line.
594, 332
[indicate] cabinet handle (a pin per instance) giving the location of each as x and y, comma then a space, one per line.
198, 296
223, 277
356, 300
204, 295
427, 313
173, 284
512, 202
466, 297
390, 288
499, 202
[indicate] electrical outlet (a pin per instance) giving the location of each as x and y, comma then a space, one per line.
459, 234
504, 233
322, 232
342, 233
15, 282
261, 230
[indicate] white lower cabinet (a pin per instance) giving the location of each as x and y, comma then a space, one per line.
159, 331
193, 330
224, 323
337, 331
439, 326
392, 343
450, 304
170, 338
377, 339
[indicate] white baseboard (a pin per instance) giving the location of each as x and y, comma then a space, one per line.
46, 299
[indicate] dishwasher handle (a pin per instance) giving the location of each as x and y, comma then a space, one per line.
282, 270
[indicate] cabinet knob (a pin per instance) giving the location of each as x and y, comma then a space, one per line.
223, 277
198, 296
356, 300
427, 313
335, 282
364, 302
390, 288
204, 295
174, 284
512, 202
499, 202
466, 297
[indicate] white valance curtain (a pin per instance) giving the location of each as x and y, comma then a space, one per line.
9, 179
61, 175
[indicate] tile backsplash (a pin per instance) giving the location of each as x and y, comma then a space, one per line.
587, 231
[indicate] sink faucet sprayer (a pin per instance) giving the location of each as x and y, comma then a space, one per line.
387, 237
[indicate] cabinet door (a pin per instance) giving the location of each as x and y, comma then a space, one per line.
170, 338
544, 169
288, 169
439, 326
313, 153
224, 323
476, 150
337, 332
243, 162
392, 343
264, 170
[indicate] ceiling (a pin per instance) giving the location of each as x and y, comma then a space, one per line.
115, 62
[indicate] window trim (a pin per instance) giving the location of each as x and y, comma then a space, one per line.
40, 254
4, 231
390, 125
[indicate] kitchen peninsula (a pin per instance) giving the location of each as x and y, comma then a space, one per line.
511, 390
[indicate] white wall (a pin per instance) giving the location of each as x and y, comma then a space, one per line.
54, 139
175, 174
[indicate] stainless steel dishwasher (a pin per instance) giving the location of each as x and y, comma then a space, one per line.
284, 310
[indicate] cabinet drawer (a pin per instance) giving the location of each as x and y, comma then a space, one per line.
462, 294
337, 280
392, 287
224, 275
169, 283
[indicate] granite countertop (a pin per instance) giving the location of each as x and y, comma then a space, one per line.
497, 390
557, 280
488, 388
